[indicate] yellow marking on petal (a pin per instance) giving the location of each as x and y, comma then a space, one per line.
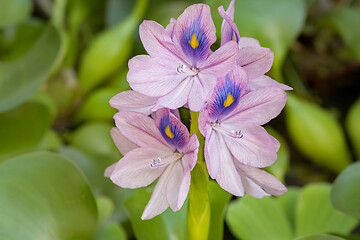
234, 37
229, 100
193, 42
168, 132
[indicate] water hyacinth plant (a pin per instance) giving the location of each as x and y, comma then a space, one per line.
229, 96
186, 107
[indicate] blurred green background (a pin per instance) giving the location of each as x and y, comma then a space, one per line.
60, 63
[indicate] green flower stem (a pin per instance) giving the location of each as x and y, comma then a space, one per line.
198, 215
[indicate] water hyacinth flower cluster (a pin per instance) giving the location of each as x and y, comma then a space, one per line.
228, 89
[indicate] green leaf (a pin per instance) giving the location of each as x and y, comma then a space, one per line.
96, 106
168, 225
342, 20
250, 218
105, 208
219, 199
23, 127
44, 196
288, 202
50, 141
14, 11
109, 50
315, 214
13, 44
94, 139
280, 167
345, 193
320, 237
352, 126
112, 231
276, 24
20, 79
316, 133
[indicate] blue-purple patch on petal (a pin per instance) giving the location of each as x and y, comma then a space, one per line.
194, 42
225, 98
172, 132
234, 36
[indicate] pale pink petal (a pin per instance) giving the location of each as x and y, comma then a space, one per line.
203, 120
265, 81
157, 41
173, 111
255, 148
227, 176
136, 59
140, 129
109, 170
265, 180
252, 189
170, 27
154, 76
177, 97
202, 86
133, 101
256, 61
158, 201
121, 142
229, 30
231, 9
213, 152
197, 20
259, 106
222, 61
134, 170
191, 153
178, 186
248, 42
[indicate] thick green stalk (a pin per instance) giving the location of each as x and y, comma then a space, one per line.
198, 215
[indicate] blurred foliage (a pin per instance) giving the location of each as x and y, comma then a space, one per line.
60, 63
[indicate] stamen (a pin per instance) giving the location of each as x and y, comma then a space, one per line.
237, 134
183, 69
160, 162
225, 131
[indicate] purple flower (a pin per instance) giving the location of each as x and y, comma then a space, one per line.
253, 58
235, 144
166, 152
179, 68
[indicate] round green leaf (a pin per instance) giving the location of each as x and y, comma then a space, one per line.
252, 219
105, 208
20, 79
352, 126
109, 50
345, 194
14, 11
320, 237
288, 202
23, 127
112, 231
44, 196
316, 133
315, 214
96, 106
95, 139
276, 24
